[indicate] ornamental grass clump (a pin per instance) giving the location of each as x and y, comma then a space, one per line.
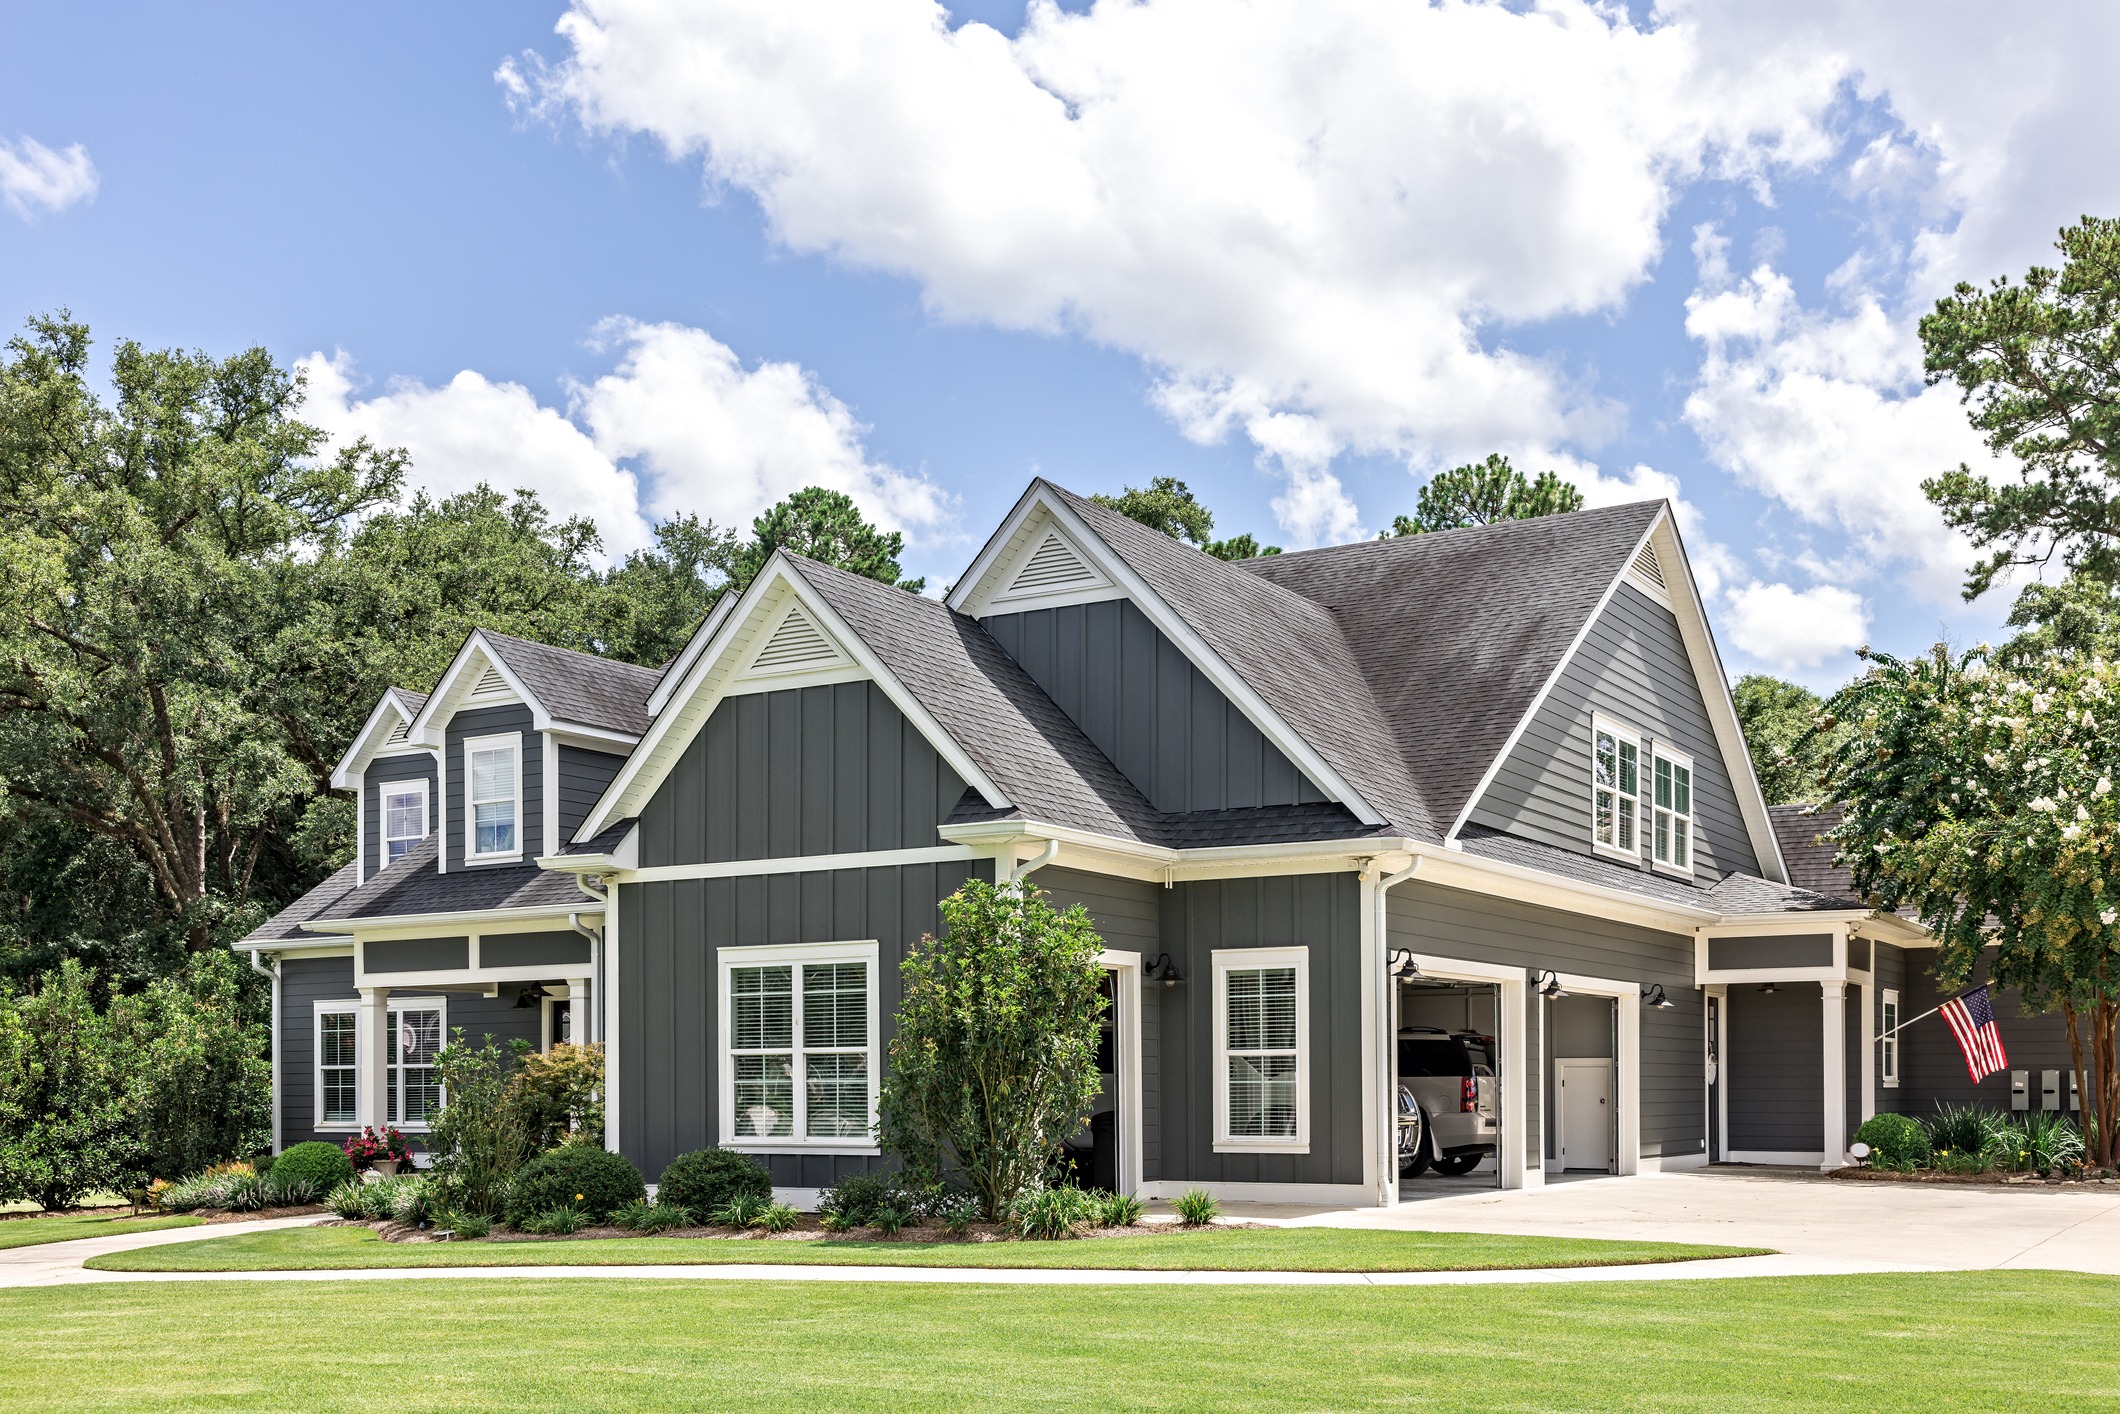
1120, 1209
742, 1210
563, 1221
1048, 1214
1196, 1207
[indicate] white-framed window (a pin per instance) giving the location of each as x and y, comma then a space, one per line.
1615, 788
493, 797
404, 805
1888, 1049
1673, 804
413, 1086
1262, 1050
799, 1047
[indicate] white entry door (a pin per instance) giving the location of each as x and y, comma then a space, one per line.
1584, 1127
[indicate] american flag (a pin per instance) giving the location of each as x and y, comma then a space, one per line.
1972, 1020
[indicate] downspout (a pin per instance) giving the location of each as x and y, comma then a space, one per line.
592, 1014
274, 973
1037, 861
1387, 1047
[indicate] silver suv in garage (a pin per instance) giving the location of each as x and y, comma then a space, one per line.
1447, 1100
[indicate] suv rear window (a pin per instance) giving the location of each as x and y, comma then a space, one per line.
1435, 1056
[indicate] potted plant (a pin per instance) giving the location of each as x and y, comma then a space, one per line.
385, 1150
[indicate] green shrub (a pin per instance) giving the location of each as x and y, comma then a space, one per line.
705, 1179
742, 1210
199, 1087
857, 1197
1896, 1141
1044, 1214
412, 1199
562, 1221
889, 1219
640, 1215
633, 1216
778, 1217
1197, 1207
958, 1213
1119, 1209
467, 1225
835, 1222
559, 1096
320, 1165
481, 1137
65, 1116
595, 1182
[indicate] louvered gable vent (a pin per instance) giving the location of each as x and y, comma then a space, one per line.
797, 644
1052, 568
491, 684
398, 734
1645, 567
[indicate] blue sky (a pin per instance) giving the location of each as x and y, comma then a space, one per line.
692, 256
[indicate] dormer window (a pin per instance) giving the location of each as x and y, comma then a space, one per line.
404, 818
1615, 788
1674, 811
491, 766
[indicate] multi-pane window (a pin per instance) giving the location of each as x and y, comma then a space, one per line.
404, 818
1888, 1048
1615, 787
1673, 843
1261, 1043
490, 763
413, 1087
799, 1044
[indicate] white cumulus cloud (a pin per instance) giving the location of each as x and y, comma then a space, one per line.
677, 425
35, 178
1315, 222
1795, 629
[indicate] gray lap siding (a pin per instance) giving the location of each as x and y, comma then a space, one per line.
530, 782
417, 767
1444, 922
1775, 1067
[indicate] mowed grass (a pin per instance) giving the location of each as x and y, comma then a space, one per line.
1975, 1340
32, 1232
1304, 1249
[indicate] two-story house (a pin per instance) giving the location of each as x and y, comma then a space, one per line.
1487, 781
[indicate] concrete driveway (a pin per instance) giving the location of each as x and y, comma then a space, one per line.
1909, 1226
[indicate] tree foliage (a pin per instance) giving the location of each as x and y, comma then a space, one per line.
1168, 504
199, 1086
994, 1062
2038, 366
1482, 493
1788, 755
1978, 793
64, 1128
828, 526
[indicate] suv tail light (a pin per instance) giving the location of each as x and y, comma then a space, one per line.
1468, 1095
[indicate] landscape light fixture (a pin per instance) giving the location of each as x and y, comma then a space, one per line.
1654, 997
1401, 964
1164, 970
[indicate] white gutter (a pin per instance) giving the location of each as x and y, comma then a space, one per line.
274, 973
1387, 1050
1037, 861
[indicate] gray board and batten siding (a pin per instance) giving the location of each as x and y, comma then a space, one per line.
1319, 911
1160, 720
1128, 916
1775, 1067
418, 766
836, 769
1633, 668
583, 774
306, 981
1441, 922
530, 782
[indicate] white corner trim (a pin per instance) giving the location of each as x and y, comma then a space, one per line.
548, 768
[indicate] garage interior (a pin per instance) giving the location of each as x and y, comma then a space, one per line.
1431, 1012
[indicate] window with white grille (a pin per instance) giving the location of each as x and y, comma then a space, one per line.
1888, 1046
1262, 1049
799, 1046
412, 1084
1673, 844
1615, 788
491, 768
404, 817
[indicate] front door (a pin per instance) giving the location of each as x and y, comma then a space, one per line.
1585, 1128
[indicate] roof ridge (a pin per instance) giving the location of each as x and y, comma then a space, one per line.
599, 658
1411, 544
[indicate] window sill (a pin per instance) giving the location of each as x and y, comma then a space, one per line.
1261, 1146
1608, 851
1670, 870
798, 1146
474, 860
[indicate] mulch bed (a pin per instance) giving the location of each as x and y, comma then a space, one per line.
1980, 1180
808, 1229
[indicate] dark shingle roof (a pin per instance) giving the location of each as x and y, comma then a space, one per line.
612, 837
413, 887
580, 687
286, 925
413, 700
1810, 861
1289, 650
1456, 631
1733, 893
988, 705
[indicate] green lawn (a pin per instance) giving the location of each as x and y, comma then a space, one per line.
30, 1232
1987, 1340
1305, 1249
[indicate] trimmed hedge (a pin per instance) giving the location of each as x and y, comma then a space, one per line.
705, 1179
1894, 1139
595, 1181
320, 1165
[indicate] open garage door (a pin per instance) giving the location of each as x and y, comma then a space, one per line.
1449, 1099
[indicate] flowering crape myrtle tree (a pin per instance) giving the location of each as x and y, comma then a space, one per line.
994, 1062
1978, 792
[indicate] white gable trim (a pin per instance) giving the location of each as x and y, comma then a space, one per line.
1006, 544
713, 675
460, 681
1662, 538
390, 710
1040, 567
795, 646
689, 654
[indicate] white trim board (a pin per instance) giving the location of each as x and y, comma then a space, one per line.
801, 864
1338, 1195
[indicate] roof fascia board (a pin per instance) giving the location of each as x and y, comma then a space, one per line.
983, 564
1195, 648
307, 947
441, 706
369, 737
595, 739
642, 772
675, 672
1538, 699
625, 856
469, 919
1692, 615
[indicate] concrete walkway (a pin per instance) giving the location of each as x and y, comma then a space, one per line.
1817, 1226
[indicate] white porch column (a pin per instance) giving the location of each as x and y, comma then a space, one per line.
1868, 993
1836, 1083
578, 1010
371, 1052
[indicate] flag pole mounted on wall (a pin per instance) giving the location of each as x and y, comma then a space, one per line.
1971, 1017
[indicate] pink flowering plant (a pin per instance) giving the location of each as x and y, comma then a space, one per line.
374, 1145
